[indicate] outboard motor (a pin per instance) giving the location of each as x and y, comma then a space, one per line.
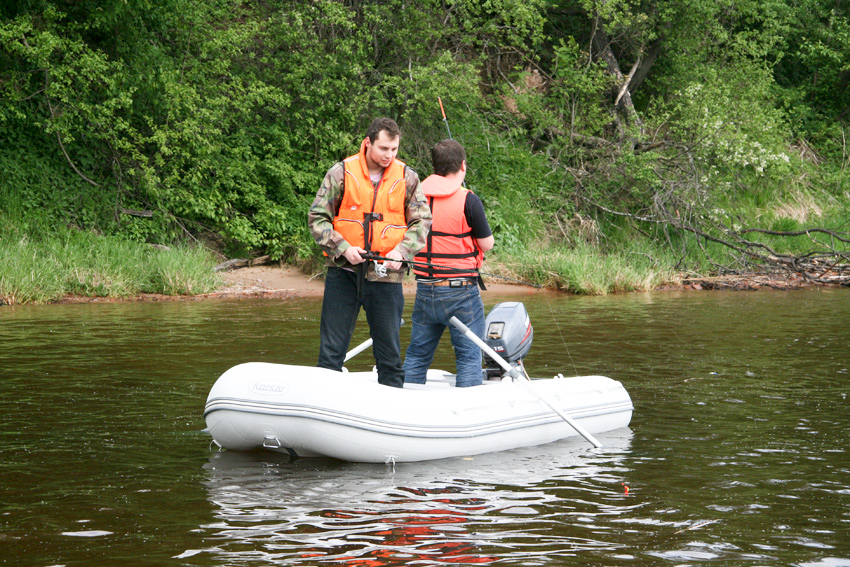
507, 330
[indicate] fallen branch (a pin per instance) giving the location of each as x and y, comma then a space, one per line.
805, 232
135, 213
241, 263
827, 266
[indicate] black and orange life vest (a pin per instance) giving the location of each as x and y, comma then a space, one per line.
450, 242
369, 216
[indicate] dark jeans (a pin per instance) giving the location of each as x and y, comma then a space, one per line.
434, 306
383, 303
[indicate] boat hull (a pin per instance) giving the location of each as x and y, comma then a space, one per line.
308, 411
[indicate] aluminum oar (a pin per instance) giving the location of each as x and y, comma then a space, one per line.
361, 347
358, 349
521, 380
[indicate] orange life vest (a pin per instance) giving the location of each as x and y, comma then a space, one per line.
369, 216
450, 242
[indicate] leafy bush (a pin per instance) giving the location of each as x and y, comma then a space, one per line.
213, 122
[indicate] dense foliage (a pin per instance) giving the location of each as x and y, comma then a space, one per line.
587, 122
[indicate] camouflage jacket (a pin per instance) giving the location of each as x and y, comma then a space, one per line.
324, 208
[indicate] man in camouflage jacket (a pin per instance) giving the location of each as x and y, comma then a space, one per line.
351, 282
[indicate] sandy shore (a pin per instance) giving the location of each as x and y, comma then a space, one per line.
268, 280
274, 281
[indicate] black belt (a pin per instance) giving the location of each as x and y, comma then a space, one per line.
449, 283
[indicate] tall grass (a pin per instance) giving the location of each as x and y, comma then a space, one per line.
586, 270
181, 271
41, 270
24, 275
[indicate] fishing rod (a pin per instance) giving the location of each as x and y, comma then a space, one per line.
370, 256
449, 130
445, 120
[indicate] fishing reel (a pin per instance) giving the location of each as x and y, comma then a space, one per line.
380, 267
508, 331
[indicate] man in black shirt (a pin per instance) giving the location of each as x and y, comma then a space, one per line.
447, 276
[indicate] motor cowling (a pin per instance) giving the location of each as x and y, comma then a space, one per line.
508, 331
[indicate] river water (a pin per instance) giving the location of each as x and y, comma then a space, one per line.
737, 453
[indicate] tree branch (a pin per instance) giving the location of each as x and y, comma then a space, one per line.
805, 232
59, 136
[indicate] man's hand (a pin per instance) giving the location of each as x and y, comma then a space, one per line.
395, 255
353, 255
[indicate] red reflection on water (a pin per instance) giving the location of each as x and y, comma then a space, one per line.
415, 534
412, 536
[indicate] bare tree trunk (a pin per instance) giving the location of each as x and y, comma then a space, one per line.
646, 63
621, 97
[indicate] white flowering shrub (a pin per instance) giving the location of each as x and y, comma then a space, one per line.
727, 124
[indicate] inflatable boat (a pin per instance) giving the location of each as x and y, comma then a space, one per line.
309, 411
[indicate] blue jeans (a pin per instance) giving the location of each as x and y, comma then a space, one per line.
433, 308
383, 303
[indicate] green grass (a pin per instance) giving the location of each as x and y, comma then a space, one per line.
41, 270
182, 271
584, 269
24, 275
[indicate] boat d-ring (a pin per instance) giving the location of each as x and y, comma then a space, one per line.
271, 442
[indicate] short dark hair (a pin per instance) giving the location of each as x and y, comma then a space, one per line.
447, 157
387, 125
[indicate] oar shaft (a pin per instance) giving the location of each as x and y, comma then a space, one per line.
358, 349
362, 346
521, 379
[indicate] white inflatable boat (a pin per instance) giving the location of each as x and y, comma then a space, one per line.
308, 411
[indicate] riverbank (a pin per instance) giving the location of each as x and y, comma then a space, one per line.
74, 266
287, 282
273, 281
